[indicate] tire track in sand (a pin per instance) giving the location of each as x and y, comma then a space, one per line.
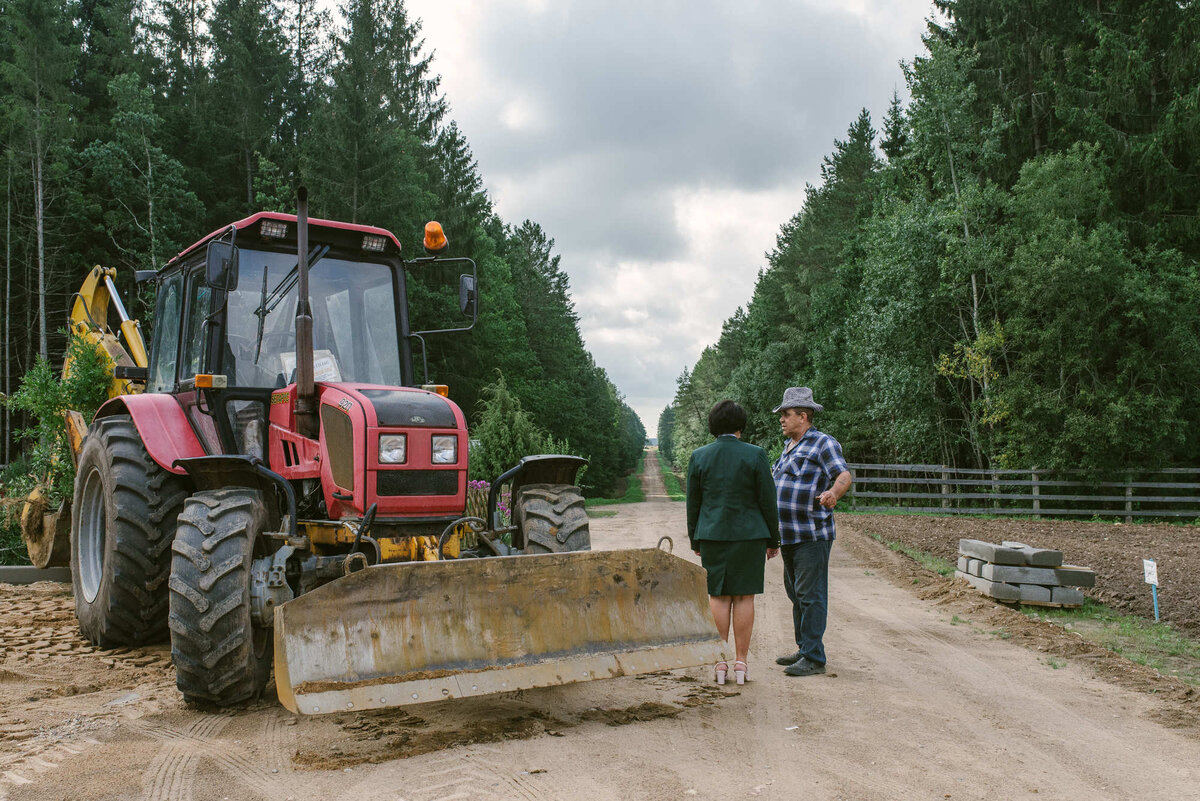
171, 774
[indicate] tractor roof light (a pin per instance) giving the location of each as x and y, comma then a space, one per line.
273, 229
437, 389
435, 238
373, 243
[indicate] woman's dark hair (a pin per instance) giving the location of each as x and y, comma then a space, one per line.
726, 418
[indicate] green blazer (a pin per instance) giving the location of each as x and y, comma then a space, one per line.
730, 493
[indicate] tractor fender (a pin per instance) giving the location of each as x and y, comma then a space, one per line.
162, 425
210, 473
543, 468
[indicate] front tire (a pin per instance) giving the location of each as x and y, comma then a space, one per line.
221, 656
122, 523
552, 519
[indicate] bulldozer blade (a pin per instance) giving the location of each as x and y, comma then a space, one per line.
415, 632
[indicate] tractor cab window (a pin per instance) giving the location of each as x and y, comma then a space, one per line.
354, 321
376, 308
199, 306
165, 346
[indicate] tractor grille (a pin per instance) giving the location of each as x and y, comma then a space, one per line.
417, 482
339, 438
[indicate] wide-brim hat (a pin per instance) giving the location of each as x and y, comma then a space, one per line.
798, 398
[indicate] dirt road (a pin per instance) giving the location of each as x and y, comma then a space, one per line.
922, 700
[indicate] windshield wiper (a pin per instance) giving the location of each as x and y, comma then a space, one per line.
280, 292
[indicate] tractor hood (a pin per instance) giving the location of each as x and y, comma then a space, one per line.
395, 407
402, 448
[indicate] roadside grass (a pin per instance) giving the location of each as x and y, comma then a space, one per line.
926, 560
1155, 645
633, 488
671, 481
601, 512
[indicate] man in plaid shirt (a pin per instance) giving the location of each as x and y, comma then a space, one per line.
810, 478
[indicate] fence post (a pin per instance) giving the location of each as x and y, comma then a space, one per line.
945, 488
1037, 491
1128, 497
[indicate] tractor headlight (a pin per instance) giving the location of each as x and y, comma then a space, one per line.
393, 448
445, 449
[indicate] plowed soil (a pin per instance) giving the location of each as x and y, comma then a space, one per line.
1114, 551
932, 692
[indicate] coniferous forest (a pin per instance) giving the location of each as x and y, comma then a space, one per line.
1002, 272
132, 128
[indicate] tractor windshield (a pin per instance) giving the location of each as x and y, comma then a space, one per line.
354, 321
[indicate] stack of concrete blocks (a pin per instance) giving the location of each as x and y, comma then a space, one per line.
1016, 572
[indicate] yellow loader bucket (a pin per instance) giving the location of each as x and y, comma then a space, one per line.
415, 632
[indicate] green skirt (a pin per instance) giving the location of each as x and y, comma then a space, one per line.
734, 568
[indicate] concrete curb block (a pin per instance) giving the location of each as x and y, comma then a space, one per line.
27, 574
1014, 571
993, 589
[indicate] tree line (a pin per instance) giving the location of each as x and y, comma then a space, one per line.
1004, 275
131, 128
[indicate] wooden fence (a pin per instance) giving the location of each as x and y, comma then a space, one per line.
1165, 493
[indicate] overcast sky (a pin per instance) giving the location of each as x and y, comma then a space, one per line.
661, 145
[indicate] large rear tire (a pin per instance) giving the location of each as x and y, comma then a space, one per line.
552, 519
122, 523
221, 656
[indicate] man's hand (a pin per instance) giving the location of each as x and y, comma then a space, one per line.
772, 553
830, 497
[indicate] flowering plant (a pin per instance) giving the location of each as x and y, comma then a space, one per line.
477, 494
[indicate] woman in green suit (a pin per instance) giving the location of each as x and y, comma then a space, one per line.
733, 525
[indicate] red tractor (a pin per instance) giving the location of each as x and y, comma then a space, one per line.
274, 454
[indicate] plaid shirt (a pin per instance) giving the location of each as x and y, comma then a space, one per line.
801, 475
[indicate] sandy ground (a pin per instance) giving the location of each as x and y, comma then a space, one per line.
931, 693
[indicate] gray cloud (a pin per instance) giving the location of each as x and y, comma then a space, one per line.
661, 144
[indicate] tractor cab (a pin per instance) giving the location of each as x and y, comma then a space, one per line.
225, 321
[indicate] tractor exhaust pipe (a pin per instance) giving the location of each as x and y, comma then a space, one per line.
306, 391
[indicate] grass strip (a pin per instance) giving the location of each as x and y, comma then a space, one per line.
1155, 645
671, 481
926, 560
633, 488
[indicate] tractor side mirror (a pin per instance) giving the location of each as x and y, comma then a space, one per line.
222, 267
468, 298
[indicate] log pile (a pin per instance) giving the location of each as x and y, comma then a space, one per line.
1018, 573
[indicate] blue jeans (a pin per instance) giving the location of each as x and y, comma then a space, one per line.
806, 579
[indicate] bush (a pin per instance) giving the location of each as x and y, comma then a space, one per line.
15, 484
82, 388
506, 433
